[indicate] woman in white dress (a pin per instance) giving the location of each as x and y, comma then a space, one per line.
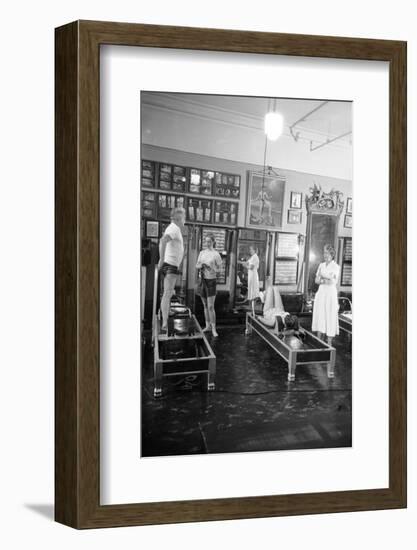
252, 265
326, 305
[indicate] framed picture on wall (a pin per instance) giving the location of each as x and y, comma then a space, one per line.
265, 199
296, 199
152, 229
227, 185
148, 204
148, 173
207, 182
349, 205
348, 221
294, 217
103, 476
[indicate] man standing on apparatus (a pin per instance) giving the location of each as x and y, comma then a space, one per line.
171, 252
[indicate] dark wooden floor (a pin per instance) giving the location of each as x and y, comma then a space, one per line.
254, 407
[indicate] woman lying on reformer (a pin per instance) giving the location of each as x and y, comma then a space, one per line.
273, 311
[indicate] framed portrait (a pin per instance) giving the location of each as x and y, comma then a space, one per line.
152, 229
349, 205
265, 198
294, 217
227, 185
106, 411
296, 199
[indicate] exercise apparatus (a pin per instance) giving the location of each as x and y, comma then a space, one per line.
183, 349
345, 315
300, 348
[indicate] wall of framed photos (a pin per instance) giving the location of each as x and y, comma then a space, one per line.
216, 179
213, 193
166, 186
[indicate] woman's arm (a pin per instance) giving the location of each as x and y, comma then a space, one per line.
218, 263
318, 276
329, 279
199, 265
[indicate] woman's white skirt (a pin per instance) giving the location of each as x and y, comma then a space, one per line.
326, 311
253, 284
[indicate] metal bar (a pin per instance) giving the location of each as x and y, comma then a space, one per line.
328, 141
304, 118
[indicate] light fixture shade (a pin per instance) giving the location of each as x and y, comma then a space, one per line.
274, 125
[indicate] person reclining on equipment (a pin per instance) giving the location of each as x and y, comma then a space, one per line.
273, 306
171, 252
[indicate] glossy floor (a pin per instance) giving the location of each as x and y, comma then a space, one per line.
254, 407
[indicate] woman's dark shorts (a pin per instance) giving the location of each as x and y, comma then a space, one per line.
168, 269
207, 287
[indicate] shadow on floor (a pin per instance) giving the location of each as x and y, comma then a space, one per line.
45, 510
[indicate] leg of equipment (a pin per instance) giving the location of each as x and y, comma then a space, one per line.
211, 375
157, 392
331, 364
292, 362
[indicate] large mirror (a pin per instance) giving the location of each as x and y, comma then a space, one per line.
323, 212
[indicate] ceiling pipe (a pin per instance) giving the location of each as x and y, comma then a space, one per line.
328, 141
303, 118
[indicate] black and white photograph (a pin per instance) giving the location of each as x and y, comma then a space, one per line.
349, 205
246, 298
296, 199
294, 216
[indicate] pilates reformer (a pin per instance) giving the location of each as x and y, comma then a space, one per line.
299, 347
183, 349
345, 317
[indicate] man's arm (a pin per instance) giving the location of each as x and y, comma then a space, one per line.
162, 246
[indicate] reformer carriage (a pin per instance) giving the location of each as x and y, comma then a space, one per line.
183, 349
299, 350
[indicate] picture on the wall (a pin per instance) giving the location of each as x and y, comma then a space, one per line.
294, 217
265, 201
246, 274
152, 229
349, 205
296, 198
348, 221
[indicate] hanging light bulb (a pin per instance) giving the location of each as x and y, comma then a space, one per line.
274, 122
274, 125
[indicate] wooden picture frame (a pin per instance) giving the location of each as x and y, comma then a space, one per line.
77, 360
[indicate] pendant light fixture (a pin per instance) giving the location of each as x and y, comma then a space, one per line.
274, 122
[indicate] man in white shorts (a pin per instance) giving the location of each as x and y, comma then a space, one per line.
171, 252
